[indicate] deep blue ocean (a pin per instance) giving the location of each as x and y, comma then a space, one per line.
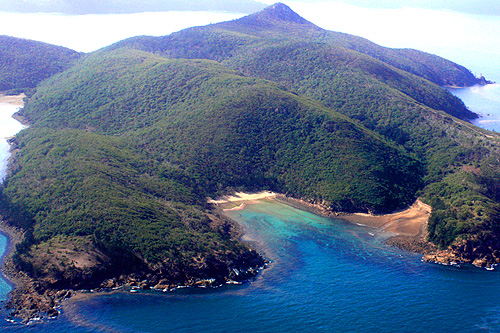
325, 275
485, 101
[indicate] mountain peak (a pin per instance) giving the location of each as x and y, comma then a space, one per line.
282, 12
276, 16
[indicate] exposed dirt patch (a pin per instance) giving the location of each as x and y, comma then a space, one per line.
61, 252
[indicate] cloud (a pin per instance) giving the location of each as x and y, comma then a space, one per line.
87, 33
83, 7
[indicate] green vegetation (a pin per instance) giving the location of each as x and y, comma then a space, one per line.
25, 63
277, 24
365, 82
140, 215
125, 146
228, 130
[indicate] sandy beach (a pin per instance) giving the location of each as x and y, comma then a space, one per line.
16, 100
239, 199
410, 222
407, 228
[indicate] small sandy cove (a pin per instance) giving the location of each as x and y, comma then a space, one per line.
410, 222
12, 99
239, 199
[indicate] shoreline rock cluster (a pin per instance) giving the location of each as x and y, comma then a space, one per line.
38, 298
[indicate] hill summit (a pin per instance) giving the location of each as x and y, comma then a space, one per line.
280, 12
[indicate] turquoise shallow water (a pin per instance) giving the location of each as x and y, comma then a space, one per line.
326, 275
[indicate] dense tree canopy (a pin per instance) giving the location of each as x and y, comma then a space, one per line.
126, 144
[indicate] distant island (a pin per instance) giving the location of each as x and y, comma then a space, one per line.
110, 184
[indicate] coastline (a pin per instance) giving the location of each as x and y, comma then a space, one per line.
18, 281
16, 100
14, 236
35, 298
407, 229
29, 297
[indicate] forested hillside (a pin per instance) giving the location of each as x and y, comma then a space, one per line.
278, 23
125, 146
174, 132
25, 63
142, 215
387, 90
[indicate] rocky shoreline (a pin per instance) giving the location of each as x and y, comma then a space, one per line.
42, 297
29, 298
37, 298
33, 298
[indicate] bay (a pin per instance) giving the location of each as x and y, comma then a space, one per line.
325, 275
483, 100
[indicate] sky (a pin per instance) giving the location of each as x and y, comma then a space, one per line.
449, 28
87, 33
482, 7
470, 39
81, 7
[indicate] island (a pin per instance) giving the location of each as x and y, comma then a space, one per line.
129, 148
